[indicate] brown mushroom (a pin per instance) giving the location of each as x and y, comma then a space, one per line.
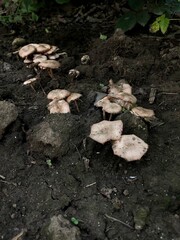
129, 147
58, 106
49, 65
105, 131
58, 94
26, 51
111, 108
74, 97
143, 112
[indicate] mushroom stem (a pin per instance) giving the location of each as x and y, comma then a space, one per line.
104, 114
50, 72
31, 85
75, 102
110, 116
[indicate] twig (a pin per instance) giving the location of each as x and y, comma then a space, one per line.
91, 184
10, 183
117, 220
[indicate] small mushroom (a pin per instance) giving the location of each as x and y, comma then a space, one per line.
29, 82
49, 65
26, 50
129, 147
105, 131
85, 59
58, 94
53, 49
111, 108
74, 97
39, 58
143, 112
73, 74
58, 106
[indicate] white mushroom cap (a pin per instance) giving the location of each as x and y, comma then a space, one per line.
26, 51
73, 97
58, 106
52, 64
53, 49
73, 73
58, 94
143, 112
125, 97
129, 147
41, 47
39, 58
112, 108
105, 131
102, 101
29, 81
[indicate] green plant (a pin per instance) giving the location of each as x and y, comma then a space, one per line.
15, 11
142, 11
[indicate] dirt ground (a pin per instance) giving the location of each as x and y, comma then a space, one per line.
31, 191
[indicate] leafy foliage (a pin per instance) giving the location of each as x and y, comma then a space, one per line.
14, 11
142, 10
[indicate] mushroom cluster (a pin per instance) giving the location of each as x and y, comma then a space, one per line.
130, 147
42, 55
119, 97
61, 98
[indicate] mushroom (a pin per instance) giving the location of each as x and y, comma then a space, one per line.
49, 65
26, 50
73, 73
112, 108
74, 97
143, 112
29, 82
129, 147
105, 131
85, 59
58, 94
39, 58
58, 106
53, 49
41, 47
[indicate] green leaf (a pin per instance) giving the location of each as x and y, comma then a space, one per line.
127, 21
154, 27
136, 4
62, 1
103, 37
34, 17
164, 24
143, 17
74, 221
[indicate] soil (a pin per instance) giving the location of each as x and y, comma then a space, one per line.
31, 191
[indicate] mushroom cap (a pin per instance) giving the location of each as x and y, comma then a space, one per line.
105, 131
73, 97
58, 94
39, 58
130, 147
125, 97
73, 73
112, 108
102, 102
41, 47
26, 50
58, 106
143, 112
53, 49
53, 64
29, 81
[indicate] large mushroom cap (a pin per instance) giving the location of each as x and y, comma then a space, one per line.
41, 47
130, 147
39, 58
112, 108
102, 102
26, 51
73, 97
58, 94
58, 106
105, 131
143, 112
52, 64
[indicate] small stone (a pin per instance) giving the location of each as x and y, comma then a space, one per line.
60, 228
17, 42
140, 217
8, 114
125, 192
